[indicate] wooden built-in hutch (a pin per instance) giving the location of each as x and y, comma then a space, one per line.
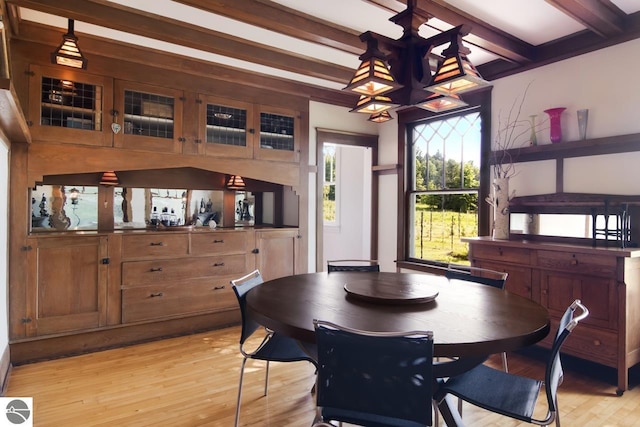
77, 291
603, 273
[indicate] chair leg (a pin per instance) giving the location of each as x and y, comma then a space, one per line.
504, 362
266, 379
244, 361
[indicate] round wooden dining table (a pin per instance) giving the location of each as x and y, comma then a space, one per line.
467, 319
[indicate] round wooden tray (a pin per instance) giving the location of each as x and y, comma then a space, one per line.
390, 291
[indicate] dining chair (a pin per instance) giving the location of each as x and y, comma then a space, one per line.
513, 395
274, 347
484, 276
373, 378
353, 265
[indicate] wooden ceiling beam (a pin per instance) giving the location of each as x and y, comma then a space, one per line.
483, 35
111, 15
40, 40
275, 17
600, 16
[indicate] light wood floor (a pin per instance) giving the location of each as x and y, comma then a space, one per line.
192, 381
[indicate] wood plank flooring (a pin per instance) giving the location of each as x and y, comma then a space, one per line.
192, 381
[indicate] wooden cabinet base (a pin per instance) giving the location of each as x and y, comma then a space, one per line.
52, 347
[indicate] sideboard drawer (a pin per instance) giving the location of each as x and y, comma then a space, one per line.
588, 343
186, 297
220, 242
141, 273
155, 245
502, 253
578, 263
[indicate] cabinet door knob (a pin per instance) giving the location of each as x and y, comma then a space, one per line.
574, 261
596, 342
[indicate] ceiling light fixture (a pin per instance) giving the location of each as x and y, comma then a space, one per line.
68, 53
381, 117
397, 72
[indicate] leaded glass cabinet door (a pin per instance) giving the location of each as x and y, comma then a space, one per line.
149, 117
226, 128
69, 106
279, 135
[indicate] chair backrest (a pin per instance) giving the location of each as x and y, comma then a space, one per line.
553, 373
241, 286
353, 265
374, 373
484, 276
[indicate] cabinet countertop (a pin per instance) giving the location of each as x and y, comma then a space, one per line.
564, 247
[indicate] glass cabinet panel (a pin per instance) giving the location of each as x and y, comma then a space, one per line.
148, 114
71, 104
226, 125
276, 132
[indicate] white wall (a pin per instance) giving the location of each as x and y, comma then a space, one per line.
4, 242
331, 117
606, 83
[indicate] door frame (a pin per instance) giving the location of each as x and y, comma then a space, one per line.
353, 139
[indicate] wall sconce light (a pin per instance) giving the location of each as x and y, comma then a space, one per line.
235, 182
109, 178
68, 53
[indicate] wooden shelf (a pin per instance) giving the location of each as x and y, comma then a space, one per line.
563, 150
581, 203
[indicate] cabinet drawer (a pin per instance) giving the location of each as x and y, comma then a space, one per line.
578, 262
221, 242
502, 253
141, 273
188, 297
588, 343
155, 245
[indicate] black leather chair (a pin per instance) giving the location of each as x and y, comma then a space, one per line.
353, 265
373, 378
273, 347
513, 395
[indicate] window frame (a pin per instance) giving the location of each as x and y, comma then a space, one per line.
479, 101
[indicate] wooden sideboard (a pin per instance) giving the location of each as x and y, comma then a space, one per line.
606, 280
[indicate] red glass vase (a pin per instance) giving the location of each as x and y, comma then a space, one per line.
555, 125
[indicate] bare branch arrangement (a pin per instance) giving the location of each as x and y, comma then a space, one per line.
510, 135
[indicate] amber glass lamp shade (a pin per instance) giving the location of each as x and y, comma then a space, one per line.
372, 78
381, 117
110, 179
456, 74
235, 182
68, 53
439, 102
373, 104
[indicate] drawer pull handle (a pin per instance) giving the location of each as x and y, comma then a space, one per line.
596, 342
156, 244
218, 241
217, 288
155, 270
156, 294
218, 264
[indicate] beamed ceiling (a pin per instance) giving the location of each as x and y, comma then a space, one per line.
311, 47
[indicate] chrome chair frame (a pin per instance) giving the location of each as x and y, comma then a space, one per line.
513, 395
274, 347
